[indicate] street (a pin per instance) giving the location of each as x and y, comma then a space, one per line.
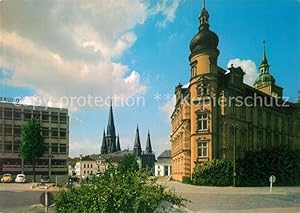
19, 198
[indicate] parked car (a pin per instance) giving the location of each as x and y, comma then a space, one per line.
21, 178
45, 179
7, 178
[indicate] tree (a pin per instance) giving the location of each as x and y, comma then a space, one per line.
128, 164
32, 144
115, 191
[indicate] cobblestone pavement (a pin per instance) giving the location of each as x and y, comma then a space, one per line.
240, 199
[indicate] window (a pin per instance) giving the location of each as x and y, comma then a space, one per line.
17, 130
202, 121
260, 140
83, 165
17, 115
243, 112
0, 113
8, 130
54, 117
45, 132
203, 89
63, 133
193, 70
16, 148
54, 148
88, 165
45, 117
63, 148
63, 118
202, 149
54, 133
7, 113
27, 115
91, 166
268, 140
36, 115
1, 130
232, 108
8, 147
259, 117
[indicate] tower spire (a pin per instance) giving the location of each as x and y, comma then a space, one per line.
111, 131
148, 144
203, 4
137, 150
264, 66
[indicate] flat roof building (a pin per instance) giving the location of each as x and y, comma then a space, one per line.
54, 129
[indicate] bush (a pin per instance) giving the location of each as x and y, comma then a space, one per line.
187, 180
116, 191
256, 167
213, 173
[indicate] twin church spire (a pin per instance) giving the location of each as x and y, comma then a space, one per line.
111, 141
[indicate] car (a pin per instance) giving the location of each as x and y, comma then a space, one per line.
21, 178
7, 178
45, 179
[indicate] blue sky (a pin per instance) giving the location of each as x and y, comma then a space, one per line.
133, 48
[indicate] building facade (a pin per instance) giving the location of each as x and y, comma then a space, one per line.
55, 131
217, 115
163, 165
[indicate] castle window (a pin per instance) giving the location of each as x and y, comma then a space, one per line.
202, 121
202, 149
193, 69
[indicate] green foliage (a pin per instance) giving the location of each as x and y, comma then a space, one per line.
116, 191
32, 144
256, 167
187, 180
213, 173
128, 164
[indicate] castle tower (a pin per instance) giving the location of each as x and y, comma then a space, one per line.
203, 85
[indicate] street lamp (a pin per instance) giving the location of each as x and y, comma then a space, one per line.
234, 128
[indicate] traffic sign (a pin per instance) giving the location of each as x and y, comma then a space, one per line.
50, 199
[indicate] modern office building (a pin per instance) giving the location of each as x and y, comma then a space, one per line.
218, 116
54, 129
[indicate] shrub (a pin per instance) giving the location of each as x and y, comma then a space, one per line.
187, 180
213, 173
116, 191
256, 167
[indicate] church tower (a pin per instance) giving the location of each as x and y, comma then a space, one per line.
111, 132
203, 86
265, 82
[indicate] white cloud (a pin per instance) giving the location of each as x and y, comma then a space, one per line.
168, 108
166, 8
68, 48
83, 146
248, 66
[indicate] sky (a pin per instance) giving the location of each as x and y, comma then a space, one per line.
67, 53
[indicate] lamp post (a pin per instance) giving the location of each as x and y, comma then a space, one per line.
234, 128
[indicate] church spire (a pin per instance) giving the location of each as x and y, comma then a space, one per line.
118, 144
148, 144
264, 66
111, 124
137, 150
104, 145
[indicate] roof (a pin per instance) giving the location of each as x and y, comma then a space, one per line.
165, 154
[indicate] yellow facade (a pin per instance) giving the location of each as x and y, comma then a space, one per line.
209, 123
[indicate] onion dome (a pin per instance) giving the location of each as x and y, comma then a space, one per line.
205, 38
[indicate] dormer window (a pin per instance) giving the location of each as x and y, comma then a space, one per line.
203, 89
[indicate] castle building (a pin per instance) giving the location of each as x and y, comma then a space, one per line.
111, 149
218, 116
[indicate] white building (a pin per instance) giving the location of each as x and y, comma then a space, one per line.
88, 166
163, 165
